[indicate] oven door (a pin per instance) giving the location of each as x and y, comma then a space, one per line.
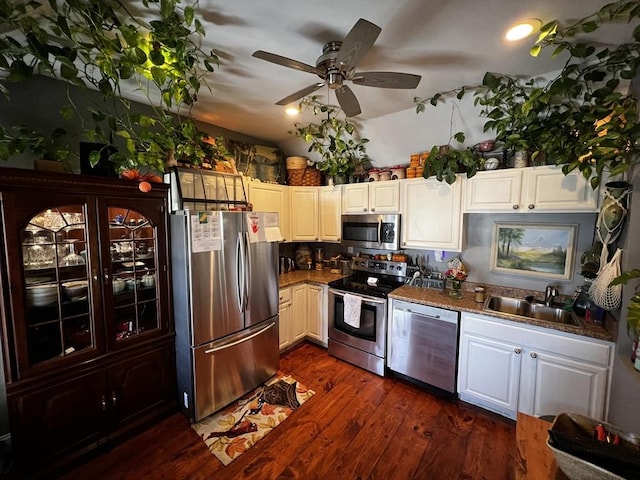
370, 337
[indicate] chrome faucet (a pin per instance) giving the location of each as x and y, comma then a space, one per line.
550, 293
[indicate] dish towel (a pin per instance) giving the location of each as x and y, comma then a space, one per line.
352, 304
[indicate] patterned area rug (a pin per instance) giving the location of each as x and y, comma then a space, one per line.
232, 431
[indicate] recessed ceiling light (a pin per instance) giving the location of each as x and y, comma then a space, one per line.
292, 111
519, 31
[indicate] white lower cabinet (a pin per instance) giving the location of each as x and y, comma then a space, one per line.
317, 313
284, 318
298, 312
303, 314
510, 368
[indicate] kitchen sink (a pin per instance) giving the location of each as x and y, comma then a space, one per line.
524, 309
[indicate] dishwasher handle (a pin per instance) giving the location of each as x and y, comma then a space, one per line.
428, 311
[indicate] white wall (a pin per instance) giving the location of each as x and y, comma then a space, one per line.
393, 138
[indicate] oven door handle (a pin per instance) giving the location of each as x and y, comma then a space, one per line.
366, 298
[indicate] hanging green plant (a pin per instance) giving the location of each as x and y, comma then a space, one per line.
100, 45
578, 120
335, 138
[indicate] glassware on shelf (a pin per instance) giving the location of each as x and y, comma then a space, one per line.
40, 256
72, 259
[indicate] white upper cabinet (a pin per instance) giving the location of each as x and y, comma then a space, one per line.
330, 226
371, 197
304, 214
529, 190
270, 197
431, 214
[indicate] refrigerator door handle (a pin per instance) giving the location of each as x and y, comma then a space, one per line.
248, 279
242, 340
240, 271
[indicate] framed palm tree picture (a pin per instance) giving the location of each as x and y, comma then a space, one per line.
534, 249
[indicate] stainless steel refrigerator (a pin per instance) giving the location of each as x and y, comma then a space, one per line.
225, 298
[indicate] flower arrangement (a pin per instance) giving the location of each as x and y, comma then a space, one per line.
457, 273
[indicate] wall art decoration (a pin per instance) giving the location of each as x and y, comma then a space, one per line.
534, 249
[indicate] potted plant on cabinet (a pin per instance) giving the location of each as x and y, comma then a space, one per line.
579, 119
335, 138
102, 45
445, 162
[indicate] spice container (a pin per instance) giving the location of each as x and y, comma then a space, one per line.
478, 294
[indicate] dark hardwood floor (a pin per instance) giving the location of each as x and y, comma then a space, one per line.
357, 426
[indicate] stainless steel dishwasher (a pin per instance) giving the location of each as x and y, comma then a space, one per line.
423, 343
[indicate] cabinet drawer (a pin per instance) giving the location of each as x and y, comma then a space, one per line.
284, 296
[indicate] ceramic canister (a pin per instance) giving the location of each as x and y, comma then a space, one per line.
398, 172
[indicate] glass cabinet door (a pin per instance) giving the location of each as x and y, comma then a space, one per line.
131, 278
59, 317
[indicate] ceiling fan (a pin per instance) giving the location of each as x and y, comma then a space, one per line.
337, 64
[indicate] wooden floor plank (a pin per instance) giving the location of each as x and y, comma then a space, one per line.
411, 439
358, 425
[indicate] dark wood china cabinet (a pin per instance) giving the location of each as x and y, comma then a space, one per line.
87, 334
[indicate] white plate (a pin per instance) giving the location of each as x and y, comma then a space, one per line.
132, 264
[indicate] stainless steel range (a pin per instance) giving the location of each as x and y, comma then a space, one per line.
358, 312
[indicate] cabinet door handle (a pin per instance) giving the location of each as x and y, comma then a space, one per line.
113, 398
106, 274
103, 403
515, 206
373, 209
364, 209
517, 350
531, 206
533, 355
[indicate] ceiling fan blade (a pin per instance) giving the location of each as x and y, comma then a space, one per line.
284, 61
356, 44
300, 93
348, 101
386, 79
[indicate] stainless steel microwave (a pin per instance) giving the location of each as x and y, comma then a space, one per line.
371, 231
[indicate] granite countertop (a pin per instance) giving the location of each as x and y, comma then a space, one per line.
312, 276
439, 298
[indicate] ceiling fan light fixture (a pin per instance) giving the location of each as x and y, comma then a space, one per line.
519, 31
292, 111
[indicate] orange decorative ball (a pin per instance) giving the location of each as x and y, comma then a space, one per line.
144, 186
130, 174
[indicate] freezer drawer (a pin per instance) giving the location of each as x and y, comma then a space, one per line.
228, 368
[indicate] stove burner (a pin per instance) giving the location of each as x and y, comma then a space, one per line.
388, 276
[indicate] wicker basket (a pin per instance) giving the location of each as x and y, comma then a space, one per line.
304, 177
294, 163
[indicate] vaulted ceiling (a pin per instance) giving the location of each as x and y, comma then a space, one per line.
448, 43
